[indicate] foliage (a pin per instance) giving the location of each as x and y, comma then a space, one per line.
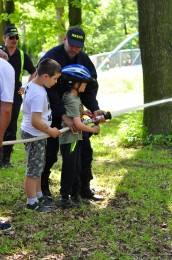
130, 131
103, 22
163, 140
107, 31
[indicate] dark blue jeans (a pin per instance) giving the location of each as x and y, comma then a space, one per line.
86, 151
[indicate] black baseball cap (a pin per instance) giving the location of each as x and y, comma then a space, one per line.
76, 37
10, 31
4, 48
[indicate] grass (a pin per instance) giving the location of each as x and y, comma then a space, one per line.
132, 222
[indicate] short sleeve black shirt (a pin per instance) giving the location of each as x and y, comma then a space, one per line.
15, 61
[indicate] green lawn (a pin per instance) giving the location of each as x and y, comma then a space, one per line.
132, 222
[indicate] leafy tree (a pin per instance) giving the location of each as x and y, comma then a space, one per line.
155, 23
43, 23
6, 7
110, 22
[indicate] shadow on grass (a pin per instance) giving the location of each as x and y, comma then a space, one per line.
132, 222
142, 202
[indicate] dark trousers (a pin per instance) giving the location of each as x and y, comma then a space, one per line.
52, 149
11, 131
86, 161
71, 168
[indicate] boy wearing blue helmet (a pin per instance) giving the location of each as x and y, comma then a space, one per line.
76, 78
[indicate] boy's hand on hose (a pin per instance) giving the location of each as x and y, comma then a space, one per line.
54, 132
69, 122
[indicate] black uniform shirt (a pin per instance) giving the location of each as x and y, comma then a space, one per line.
88, 97
15, 61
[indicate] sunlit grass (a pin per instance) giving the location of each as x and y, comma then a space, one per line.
129, 222
132, 222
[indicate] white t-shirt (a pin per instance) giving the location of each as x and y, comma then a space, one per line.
7, 81
35, 100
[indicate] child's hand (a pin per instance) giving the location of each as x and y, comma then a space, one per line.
96, 129
54, 132
69, 122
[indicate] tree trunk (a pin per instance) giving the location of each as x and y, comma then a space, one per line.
2, 25
59, 14
75, 16
124, 17
6, 6
155, 33
9, 7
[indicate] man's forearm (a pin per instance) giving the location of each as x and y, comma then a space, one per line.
4, 122
5, 116
3, 126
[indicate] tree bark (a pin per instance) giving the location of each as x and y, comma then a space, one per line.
75, 14
59, 15
9, 9
155, 35
2, 25
124, 17
6, 6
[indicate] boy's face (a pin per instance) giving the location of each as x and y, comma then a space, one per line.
51, 81
82, 87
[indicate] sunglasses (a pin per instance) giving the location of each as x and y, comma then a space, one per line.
14, 37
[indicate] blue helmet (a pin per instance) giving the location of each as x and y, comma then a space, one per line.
76, 73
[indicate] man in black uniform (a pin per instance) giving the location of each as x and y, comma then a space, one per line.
70, 52
20, 61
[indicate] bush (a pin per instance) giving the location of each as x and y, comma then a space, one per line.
130, 130
158, 140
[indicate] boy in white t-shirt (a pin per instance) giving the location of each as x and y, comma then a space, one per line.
36, 122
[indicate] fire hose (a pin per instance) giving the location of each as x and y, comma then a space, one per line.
106, 116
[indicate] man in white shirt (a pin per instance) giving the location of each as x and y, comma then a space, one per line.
7, 83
